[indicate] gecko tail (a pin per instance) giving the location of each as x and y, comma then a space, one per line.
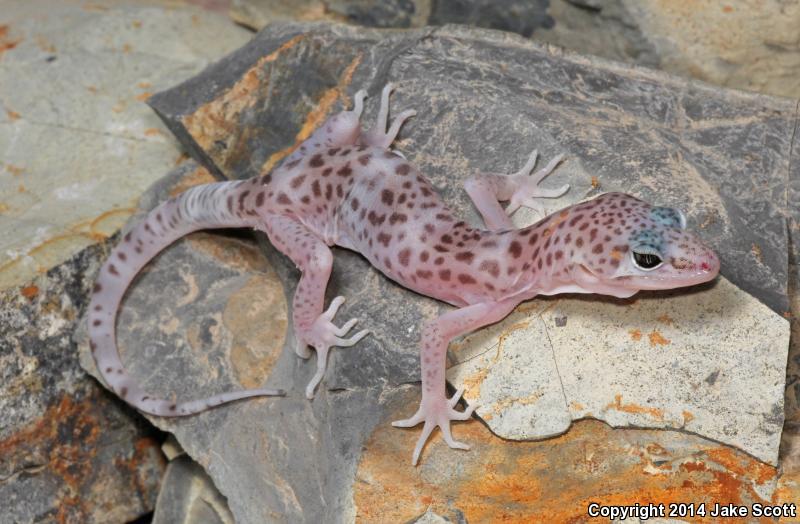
210, 206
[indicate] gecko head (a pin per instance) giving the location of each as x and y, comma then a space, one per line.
637, 246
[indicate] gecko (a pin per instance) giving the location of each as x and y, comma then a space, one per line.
344, 186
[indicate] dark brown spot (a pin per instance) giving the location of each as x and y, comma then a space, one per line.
597, 249
402, 169
327, 171
345, 170
579, 242
424, 256
354, 204
283, 199
574, 220
260, 199
128, 236
549, 259
559, 255
97, 322
123, 392
444, 274
113, 269
404, 256
438, 261
397, 217
515, 249
333, 151
447, 239
328, 191
297, 181
466, 279
316, 189
387, 197
465, 256
122, 256
424, 273
364, 159
316, 161
384, 238
491, 267
305, 199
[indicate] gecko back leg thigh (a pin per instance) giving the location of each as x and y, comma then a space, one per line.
312, 326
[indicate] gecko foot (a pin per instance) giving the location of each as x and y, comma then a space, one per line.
436, 412
322, 335
528, 186
378, 136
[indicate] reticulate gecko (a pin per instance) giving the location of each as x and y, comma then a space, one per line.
346, 187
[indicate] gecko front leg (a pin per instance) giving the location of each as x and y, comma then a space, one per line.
312, 326
487, 190
435, 408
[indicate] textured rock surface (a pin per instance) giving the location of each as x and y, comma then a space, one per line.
749, 44
68, 451
717, 370
552, 480
78, 145
484, 99
188, 495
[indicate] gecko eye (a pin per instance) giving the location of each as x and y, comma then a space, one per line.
646, 261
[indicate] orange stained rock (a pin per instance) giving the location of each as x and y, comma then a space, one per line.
218, 119
317, 116
666, 319
636, 409
6, 43
12, 115
595, 182
29, 291
635, 334
552, 480
656, 339
64, 442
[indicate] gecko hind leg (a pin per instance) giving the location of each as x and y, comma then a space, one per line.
312, 326
377, 135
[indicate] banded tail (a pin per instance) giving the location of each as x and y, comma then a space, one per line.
218, 205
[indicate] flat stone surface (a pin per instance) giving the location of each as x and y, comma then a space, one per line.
69, 450
78, 145
654, 362
552, 480
485, 99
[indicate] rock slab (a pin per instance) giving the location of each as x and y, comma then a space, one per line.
484, 100
69, 450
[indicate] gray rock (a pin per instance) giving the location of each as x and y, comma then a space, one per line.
711, 362
188, 495
484, 100
69, 451
78, 145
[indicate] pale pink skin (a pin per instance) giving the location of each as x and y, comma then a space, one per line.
346, 187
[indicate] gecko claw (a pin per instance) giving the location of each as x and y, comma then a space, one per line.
324, 334
436, 413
